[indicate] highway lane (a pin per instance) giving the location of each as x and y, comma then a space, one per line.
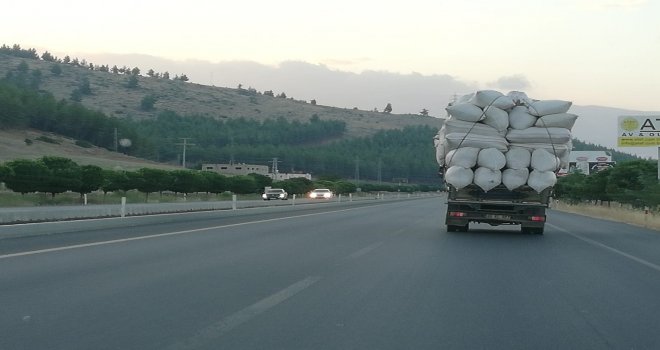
382, 276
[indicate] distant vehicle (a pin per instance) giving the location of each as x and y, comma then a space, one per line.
275, 193
321, 193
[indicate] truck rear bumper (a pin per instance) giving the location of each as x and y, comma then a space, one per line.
460, 213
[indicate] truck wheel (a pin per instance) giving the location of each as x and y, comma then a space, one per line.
464, 228
452, 228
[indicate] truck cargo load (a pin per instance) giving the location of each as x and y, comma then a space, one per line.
499, 155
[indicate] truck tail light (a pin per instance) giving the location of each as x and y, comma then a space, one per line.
538, 218
457, 213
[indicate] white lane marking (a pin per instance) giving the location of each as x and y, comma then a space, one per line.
606, 247
218, 329
41, 251
365, 250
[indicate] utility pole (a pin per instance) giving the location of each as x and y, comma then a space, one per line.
275, 170
184, 144
116, 142
380, 170
357, 171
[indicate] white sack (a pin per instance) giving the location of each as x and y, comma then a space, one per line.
485, 98
464, 156
491, 158
459, 177
543, 160
545, 107
519, 98
465, 98
519, 118
560, 150
560, 120
466, 112
539, 135
514, 178
518, 158
456, 140
453, 125
487, 179
497, 118
540, 180
440, 152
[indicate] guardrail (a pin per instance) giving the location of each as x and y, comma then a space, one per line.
58, 213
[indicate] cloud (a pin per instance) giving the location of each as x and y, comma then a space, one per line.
512, 82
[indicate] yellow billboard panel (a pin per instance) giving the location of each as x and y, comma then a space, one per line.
639, 131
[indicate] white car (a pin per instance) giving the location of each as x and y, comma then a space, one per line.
275, 193
321, 193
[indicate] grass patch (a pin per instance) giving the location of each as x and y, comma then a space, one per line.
13, 199
47, 139
614, 212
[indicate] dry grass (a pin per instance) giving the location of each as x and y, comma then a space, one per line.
112, 97
613, 212
13, 146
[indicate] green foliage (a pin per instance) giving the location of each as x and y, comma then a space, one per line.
91, 179
83, 144
244, 184
44, 138
634, 182
26, 176
17, 51
63, 175
28, 142
132, 82
148, 102
295, 186
56, 69
261, 181
84, 87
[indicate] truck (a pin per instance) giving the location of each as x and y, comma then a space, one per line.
499, 206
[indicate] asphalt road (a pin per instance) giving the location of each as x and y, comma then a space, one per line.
374, 276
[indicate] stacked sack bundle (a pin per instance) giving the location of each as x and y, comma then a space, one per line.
492, 139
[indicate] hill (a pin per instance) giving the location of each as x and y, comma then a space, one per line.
110, 94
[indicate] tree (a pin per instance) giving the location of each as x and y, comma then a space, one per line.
183, 77
84, 86
115, 70
388, 109
424, 112
148, 102
313, 102
25, 176
135, 71
132, 82
5, 172
76, 95
183, 181
151, 73
91, 179
243, 184
282, 95
269, 93
66, 59
153, 180
64, 175
166, 75
261, 181
47, 56
23, 67
56, 69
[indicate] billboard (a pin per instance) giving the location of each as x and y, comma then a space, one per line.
639, 131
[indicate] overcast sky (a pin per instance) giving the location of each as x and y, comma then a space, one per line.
587, 51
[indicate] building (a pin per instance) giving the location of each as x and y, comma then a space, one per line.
245, 169
236, 169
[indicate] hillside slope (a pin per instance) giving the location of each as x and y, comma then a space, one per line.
112, 96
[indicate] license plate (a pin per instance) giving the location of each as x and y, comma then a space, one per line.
498, 217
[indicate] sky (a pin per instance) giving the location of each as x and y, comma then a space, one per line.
588, 51
416, 54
